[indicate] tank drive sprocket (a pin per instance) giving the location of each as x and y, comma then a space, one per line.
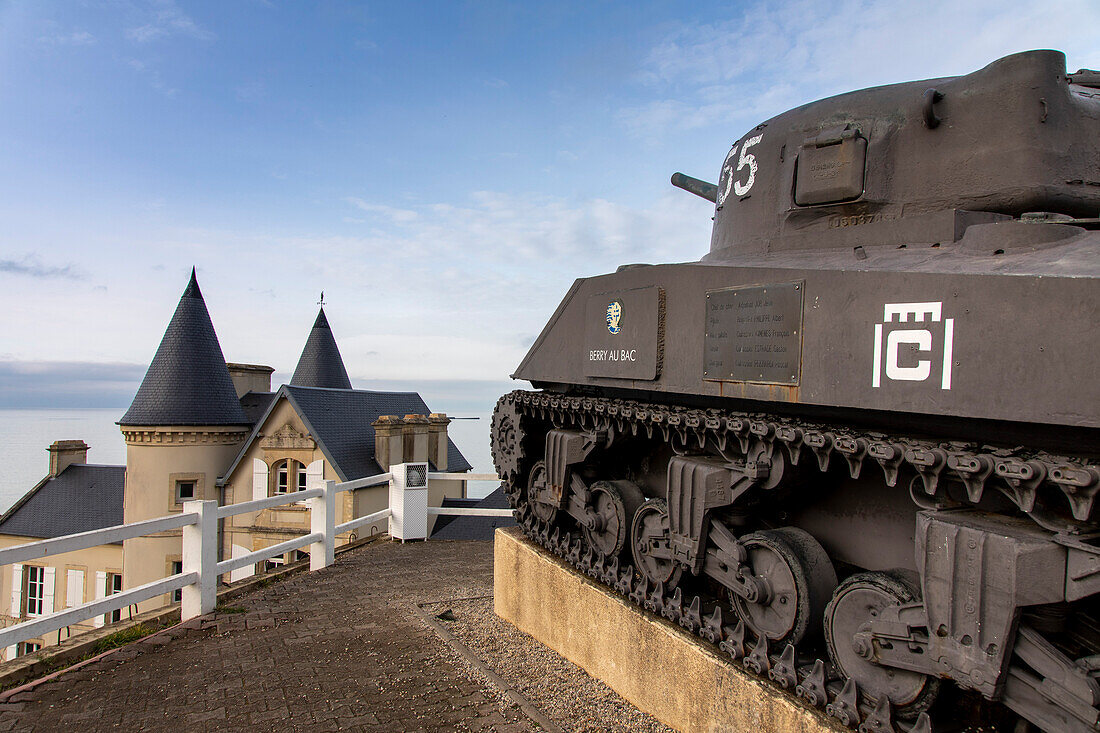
506, 438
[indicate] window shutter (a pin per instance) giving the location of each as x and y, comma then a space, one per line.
16, 590
259, 479
241, 573
315, 475
74, 588
100, 592
48, 591
12, 651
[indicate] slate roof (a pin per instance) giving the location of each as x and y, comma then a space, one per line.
340, 421
255, 405
472, 528
320, 364
79, 499
187, 382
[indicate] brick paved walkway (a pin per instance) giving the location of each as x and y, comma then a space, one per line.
339, 649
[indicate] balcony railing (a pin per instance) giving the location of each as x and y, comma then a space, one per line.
407, 516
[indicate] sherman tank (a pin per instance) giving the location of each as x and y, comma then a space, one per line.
855, 444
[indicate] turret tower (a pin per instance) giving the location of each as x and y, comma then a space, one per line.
182, 430
320, 364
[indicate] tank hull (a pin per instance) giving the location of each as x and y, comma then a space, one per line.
1018, 349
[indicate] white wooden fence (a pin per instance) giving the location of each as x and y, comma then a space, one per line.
407, 514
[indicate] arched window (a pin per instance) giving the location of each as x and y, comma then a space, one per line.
288, 476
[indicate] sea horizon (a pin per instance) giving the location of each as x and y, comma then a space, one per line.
27, 432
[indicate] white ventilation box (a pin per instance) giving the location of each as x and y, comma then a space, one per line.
409, 501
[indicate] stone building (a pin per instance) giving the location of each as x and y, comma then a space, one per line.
202, 428
73, 497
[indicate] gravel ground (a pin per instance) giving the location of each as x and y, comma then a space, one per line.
564, 692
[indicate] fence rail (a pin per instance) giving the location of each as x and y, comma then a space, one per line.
232, 510
84, 540
199, 522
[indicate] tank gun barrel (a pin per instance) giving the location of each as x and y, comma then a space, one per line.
693, 185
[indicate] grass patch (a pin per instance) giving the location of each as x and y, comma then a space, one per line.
124, 637
229, 609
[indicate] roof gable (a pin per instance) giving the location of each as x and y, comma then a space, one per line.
340, 421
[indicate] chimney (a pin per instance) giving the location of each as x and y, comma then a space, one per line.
250, 378
416, 438
437, 440
388, 441
64, 453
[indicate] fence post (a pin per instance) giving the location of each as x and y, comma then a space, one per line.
397, 502
200, 555
322, 518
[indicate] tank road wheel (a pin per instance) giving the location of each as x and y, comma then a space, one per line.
799, 578
613, 504
649, 544
856, 601
536, 482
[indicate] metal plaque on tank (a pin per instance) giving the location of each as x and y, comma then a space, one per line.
623, 334
754, 334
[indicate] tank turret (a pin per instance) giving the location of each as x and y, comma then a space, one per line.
915, 162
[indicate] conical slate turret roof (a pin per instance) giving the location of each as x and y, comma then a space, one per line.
187, 382
320, 364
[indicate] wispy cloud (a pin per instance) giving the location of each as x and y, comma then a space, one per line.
72, 38
30, 266
539, 227
394, 214
775, 56
167, 19
153, 76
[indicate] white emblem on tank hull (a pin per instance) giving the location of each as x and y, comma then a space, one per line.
926, 338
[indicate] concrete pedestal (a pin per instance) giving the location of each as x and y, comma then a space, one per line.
658, 667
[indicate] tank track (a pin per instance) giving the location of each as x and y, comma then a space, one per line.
1024, 476
1017, 473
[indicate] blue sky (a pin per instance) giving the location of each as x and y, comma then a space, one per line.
443, 171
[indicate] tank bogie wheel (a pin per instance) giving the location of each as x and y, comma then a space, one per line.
856, 601
613, 504
536, 482
649, 544
799, 578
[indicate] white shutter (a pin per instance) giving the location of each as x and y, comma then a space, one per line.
12, 651
259, 479
241, 573
100, 592
48, 591
16, 590
74, 588
315, 475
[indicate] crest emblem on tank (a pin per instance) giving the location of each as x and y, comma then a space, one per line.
614, 316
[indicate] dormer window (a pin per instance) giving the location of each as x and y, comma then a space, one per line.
289, 476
